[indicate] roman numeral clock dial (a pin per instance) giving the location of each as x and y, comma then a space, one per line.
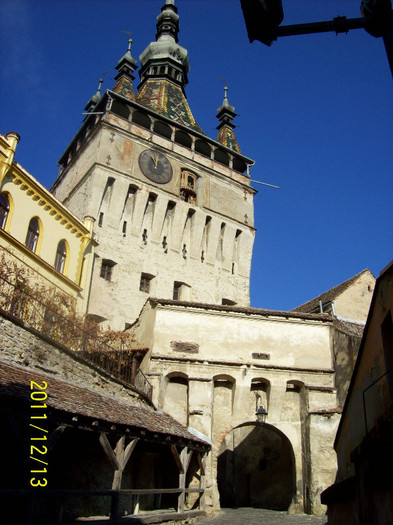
155, 166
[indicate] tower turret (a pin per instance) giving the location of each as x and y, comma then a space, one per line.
125, 67
95, 98
164, 69
225, 114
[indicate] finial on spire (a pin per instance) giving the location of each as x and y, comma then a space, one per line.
225, 96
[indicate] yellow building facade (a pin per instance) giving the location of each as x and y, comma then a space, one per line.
38, 232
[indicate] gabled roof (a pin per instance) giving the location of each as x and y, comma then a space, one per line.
329, 295
67, 397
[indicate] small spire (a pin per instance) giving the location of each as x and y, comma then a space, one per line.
225, 114
95, 98
168, 21
125, 67
165, 58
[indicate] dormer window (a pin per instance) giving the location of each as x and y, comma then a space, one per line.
188, 184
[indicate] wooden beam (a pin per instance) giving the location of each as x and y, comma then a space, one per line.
177, 459
122, 456
201, 464
128, 451
54, 437
108, 451
185, 457
202, 481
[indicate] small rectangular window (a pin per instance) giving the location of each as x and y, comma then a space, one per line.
144, 285
101, 219
176, 291
107, 269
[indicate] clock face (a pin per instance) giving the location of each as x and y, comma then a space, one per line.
155, 166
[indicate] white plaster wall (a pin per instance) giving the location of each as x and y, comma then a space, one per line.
235, 337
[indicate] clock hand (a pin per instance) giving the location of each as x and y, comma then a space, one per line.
155, 160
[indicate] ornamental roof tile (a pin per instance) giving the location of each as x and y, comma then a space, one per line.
124, 87
227, 138
67, 397
167, 99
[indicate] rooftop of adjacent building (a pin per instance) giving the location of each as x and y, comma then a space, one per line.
327, 297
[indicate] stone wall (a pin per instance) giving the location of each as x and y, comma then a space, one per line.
27, 348
143, 227
212, 369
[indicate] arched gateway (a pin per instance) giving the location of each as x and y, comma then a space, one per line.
256, 468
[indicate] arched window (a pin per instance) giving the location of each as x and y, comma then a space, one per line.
4, 209
162, 129
203, 148
33, 233
61, 256
141, 119
183, 138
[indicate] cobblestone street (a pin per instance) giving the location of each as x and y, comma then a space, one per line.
251, 516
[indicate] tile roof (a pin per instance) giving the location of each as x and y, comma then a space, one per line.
76, 400
168, 99
124, 87
226, 136
243, 309
329, 295
352, 329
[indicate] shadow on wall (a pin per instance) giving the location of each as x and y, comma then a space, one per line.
256, 468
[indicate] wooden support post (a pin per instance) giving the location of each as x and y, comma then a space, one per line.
115, 506
202, 480
136, 507
119, 459
177, 458
185, 458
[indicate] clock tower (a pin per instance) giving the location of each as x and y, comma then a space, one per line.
172, 208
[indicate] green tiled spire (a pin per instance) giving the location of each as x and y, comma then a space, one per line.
163, 72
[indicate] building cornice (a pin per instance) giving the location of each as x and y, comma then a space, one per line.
48, 202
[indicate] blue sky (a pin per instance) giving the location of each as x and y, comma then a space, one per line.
315, 113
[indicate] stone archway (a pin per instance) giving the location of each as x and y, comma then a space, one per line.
256, 468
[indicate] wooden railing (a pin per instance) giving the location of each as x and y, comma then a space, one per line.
35, 312
63, 500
